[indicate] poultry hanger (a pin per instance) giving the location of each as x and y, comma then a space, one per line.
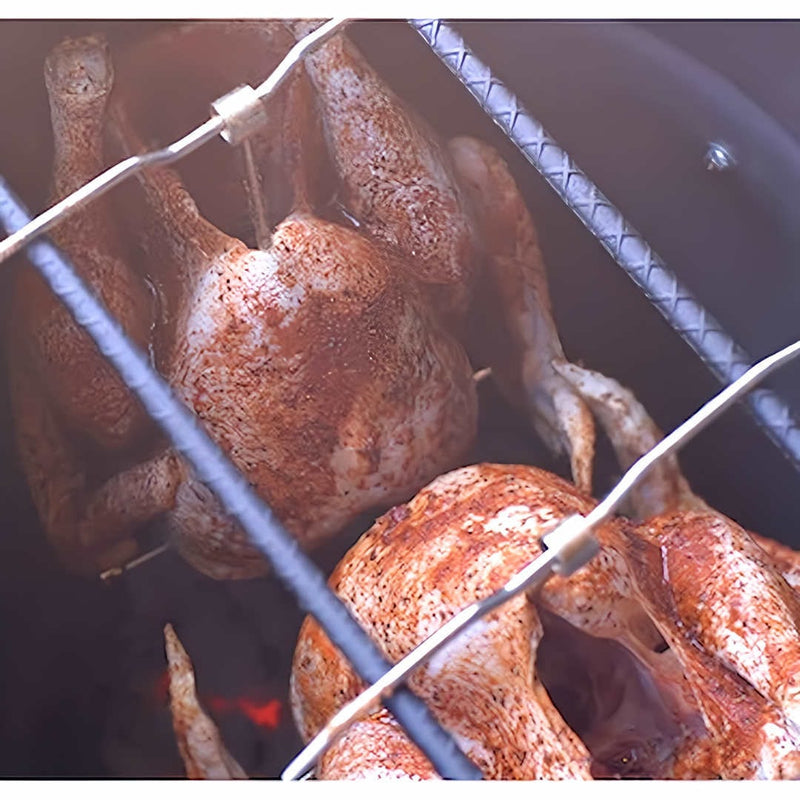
360, 392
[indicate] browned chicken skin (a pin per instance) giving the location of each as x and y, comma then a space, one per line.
322, 362
670, 655
722, 598
459, 539
331, 387
316, 364
65, 397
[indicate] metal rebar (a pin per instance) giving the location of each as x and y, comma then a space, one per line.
676, 303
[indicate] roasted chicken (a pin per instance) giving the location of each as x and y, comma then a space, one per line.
669, 656
327, 361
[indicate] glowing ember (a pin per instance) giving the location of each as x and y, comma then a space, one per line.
265, 715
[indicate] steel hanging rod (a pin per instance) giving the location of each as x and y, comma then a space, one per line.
236, 115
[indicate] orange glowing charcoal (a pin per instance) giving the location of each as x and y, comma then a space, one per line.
264, 714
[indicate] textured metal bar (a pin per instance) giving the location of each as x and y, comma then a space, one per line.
295, 570
724, 357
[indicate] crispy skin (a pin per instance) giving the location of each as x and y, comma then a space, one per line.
751, 736
201, 747
786, 560
458, 539
398, 180
374, 748
83, 387
453, 211
733, 601
316, 365
717, 703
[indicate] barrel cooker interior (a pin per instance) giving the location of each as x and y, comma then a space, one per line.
82, 664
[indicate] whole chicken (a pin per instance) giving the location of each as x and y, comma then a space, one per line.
316, 364
325, 362
671, 655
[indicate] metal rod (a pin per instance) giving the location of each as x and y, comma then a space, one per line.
115, 572
570, 534
721, 354
255, 198
310, 42
115, 175
104, 182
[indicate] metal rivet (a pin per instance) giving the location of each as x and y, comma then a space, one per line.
718, 158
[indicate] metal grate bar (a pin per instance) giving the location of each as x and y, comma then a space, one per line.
676, 303
297, 572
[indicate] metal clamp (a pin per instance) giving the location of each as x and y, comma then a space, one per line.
242, 112
572, 545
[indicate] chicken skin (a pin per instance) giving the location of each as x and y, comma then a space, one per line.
326, 361
67, 401
669, 656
